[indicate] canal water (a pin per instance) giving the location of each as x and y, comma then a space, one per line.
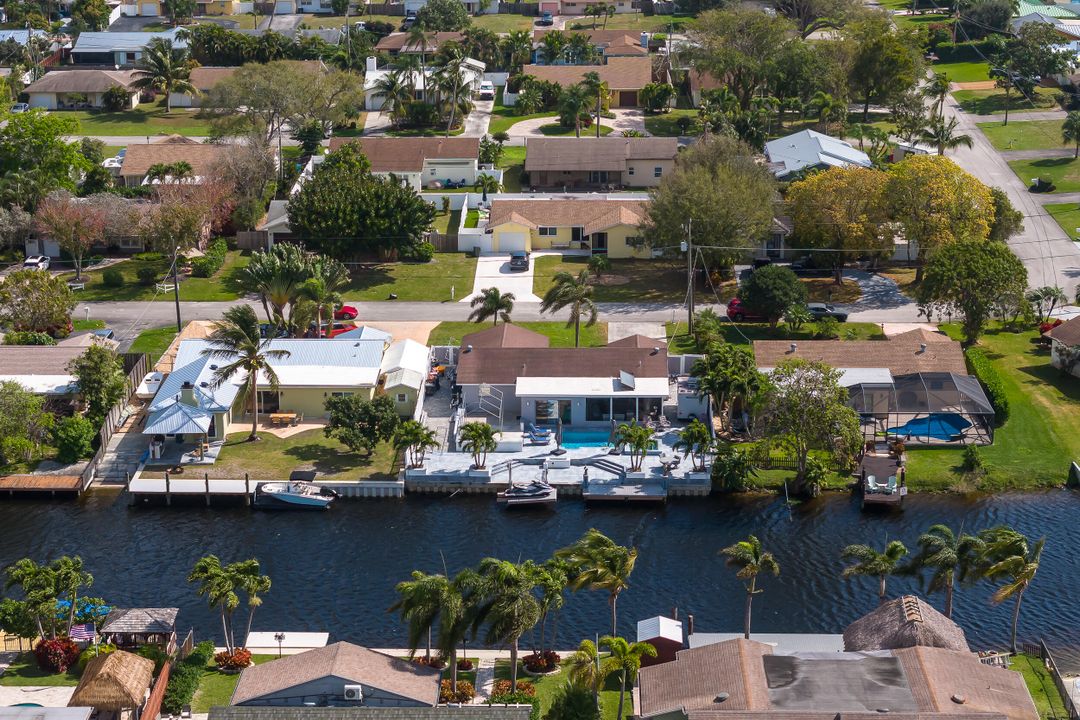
336, 571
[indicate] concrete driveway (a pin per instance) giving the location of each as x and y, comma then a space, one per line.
494, 271
476, 125
625, 119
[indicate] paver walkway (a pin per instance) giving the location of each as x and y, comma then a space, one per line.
376, 123
625, 119
485, 681
476, 125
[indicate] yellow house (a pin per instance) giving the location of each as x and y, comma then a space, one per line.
217, 7
606, 227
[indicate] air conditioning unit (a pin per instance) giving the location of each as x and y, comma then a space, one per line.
354, 693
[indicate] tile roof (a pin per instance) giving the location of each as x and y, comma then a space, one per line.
504, 365
902, 354
591, 215
506, 335
141, 620
397, 42
606, 153
612, 42
937, 675
638, 341
1067, 333
351, 663
37, 359
443, 712
620, 73
702, 80
202, 157
408, 154
80, 81
205, 78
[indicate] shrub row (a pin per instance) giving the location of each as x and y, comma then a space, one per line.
56, 656
502, 689
464, 693
988, 375
212, 261
185, 678
542, 662
28, 337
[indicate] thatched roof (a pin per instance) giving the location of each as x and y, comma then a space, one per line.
117, 681
902, 623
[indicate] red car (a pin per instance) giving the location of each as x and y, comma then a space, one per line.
345, 312
737, 312
333, 331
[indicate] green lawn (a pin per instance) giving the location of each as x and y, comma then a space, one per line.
664, 124
637, 21
746, 333
992, 102
627, 281
216, 688
1028, 135
557, 130
548, 686
918, 21
503, 118
503, 22
450, 333
1041, 686
91, 324
24, 671
414, 281
1034, 447
1067, 216
1063, 172
512, 163
472, 218
963, 70
154, 342
448, 223
421, 132
221, 287
336, 21
147, 119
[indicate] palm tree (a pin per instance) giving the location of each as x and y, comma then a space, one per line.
828, 109
1070, 131
949, 557
419, 602
937, 89
396, 93
695, 440
552, 577
70, 577
486, 184
492, 303
507, 605
518, 48
530, 99
452, 72
573, 101
591, 85
248, 579
218, 586
414, 439
943, 134
579, 49
637, 438
583, 668
38, 585
568, 291
727, 374
1009, 555
625, 659
594, 12
164, 68
609, 12
276, 276
552, 45
597, 563
417, 39
870, 562
323, 289
236, 340
477, 438
751, 560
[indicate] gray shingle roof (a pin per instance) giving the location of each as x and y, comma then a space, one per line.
140, 620
97, 42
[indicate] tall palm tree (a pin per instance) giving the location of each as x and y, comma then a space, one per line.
579, 49
751, 559
869, 562
828, 109
551, 579
414, 439
38, 585
599, 564
323, 289
1070, 131
1012, 557
396, 93
276, 277
593, 86
950, 558
624, 658
165, 68
943, 134
573, 102
576, 293
486, 183
419, 602
695, 440
552, 45
518, 48
507, 606
417, 39
249, 579
594, 12
937, 89
70, 576
236, 340
492, 303
218, 586
728, 375
452, 73
609, 12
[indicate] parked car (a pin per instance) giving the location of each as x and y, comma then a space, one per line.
346, 312
36, 262
331, 331
104, 333
806, 267
409, 21
519, 260
738, 313
20, 107
267, 330
486, 91
545, 19
823, 310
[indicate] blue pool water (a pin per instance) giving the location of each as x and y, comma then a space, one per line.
942, 426
585, 438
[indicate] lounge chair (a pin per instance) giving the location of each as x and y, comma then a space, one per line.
890, 486
871, 484
538, 432
538, 439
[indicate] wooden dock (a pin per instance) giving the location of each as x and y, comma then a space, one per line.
624, 492
24, 484
881, 468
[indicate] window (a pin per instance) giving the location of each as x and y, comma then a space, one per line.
402, 397
433, 172
340, 394
657, 171
547, 231
597, 409
131, 243
598, 176
630, 170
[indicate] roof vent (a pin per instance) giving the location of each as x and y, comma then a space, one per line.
883, 710
468, 348
794, 347
204, 384
922, 348
186, 386
721, 697
958, 699
655, 350
213, 367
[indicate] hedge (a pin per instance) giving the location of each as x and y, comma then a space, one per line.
185, 678
28, 337
212, 261
985, 371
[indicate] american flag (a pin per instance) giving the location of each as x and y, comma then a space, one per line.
83, 632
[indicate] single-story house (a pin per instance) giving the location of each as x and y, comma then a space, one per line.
579, 7
904, 622
204, 79
121, 49
114, 685
315, 369
404, 369
41, 369
365, 332
139, 158
623, 381
809, 149
224, 7
625, 76
398, 42
338, 674
131, 627
913, 386
1065, 346
609, 43
78, 89
472, 72
361, 712
603, 226
599, 162
420, 161
700, 82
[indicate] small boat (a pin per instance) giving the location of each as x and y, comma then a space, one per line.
293, 495
537, 492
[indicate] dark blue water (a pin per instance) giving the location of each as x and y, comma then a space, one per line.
336, 571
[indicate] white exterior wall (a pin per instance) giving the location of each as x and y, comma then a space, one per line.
181, 100
45, 101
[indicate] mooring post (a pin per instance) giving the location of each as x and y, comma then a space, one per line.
168, 495
206, 480
247, 490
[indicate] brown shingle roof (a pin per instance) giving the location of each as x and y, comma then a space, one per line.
620, 73
904, 622
349, 662
37, 360
142, 621
701, 80
205, 78
592, 215
608, 153
506, 335
902, 354
613, 42
202, 157
80, 81
399, 42
443, 712
408, 154
937, 675
638, 341
1067, 333
504, 365
114, 682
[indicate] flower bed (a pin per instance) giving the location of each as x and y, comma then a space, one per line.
464, 693
541, 663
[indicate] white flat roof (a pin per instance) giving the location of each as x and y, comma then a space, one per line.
292, 640
545, 387
857, 376
784, 642
325, 376
45, 384
659, 627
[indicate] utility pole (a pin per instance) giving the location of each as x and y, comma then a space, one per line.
176, 286
688, 246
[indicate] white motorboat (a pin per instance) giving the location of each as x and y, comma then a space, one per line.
537, 492
293, 495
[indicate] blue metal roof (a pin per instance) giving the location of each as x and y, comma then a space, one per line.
176, 419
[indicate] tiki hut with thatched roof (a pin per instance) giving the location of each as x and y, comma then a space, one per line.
114, 684
904, 622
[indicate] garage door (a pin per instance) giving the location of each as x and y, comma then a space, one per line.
627, 98
149, 9
512, 241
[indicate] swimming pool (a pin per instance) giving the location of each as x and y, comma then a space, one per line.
940, 426
585, 438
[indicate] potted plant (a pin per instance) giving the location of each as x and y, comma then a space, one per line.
478, 438
637, 439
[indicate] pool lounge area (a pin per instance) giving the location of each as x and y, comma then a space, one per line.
925, 409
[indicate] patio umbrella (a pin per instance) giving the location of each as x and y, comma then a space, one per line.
558, 438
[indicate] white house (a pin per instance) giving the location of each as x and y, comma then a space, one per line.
77, 89
405, 367
809, 149
473, 73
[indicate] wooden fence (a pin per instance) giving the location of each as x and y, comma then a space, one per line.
763, 459
397, 9
187, 646
152, 706
443, 243
136, 366
252, 240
